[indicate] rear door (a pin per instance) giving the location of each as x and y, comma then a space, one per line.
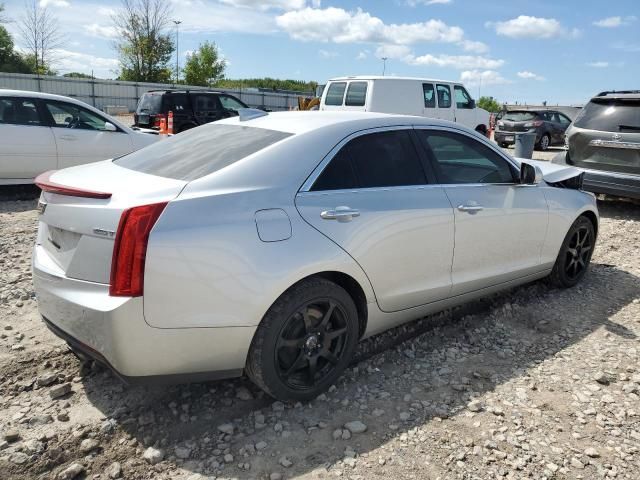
372, 198
445, 102
206, 107
81, 136
500, 225
27, 145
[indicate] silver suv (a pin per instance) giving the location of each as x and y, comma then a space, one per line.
604, 139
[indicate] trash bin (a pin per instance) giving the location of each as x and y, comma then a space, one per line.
524, 145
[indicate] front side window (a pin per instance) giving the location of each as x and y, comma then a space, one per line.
19, 111
356, 94
382, 159
230, 103
429, 95
335, 94
67, 115
463, 99
444, 96
459, 159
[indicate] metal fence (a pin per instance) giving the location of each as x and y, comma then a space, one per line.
114, 93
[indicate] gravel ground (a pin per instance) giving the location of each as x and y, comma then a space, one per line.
534, 382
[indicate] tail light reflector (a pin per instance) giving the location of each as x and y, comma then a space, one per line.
46, 185
130, 249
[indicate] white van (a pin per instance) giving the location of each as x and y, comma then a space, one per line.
410, 96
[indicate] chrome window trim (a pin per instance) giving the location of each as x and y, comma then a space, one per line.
614, 144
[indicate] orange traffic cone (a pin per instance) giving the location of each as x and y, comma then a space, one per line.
163, 126
170, 123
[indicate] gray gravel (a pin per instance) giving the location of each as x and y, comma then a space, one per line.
532, 383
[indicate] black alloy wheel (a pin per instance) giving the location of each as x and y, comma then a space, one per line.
305, 341
575, 254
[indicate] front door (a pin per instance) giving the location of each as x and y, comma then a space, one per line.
373, 200
500, 225
81, 136
465, 107
27, 146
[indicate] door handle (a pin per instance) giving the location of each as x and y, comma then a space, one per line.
341, 214
68, 137
470, 208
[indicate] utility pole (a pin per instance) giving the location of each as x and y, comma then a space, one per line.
177, 23
384, 65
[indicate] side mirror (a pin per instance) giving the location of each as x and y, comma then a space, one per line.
109, 127
530, 174
472, 104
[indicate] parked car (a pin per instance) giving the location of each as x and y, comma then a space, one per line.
40, 132
548, 125
190, 108
604, 140
424, 97
273, 244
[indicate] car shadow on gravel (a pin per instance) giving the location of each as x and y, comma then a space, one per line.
441, 362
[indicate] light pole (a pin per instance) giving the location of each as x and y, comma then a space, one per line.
177, 23
384, 64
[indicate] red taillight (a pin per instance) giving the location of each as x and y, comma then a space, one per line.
130, 249
47, 185
156, 120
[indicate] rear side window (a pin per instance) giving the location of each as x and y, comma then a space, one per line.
610, 115
150, 103
429, 95
335, 94
384, 159
205, 103
201, 151
356, 94
444, 96
19, 111
177, 102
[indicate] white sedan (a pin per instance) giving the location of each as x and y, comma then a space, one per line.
271, 244
41, 132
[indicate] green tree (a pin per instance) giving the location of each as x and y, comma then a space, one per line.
144, 45
204, 66
10, 60
76, 75
490, 104
271, 83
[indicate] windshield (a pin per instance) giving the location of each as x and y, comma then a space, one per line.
610, 115
149, 103
200, 151
519, 116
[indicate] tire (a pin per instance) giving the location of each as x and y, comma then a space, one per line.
294, 335
575, 254
544, 143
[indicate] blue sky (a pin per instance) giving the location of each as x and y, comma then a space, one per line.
562, 51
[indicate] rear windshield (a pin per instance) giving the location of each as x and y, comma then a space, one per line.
610, 115
149, 103
519, 116
200, 151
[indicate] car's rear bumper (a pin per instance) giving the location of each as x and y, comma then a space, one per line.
112, 330
509, 138
608, 183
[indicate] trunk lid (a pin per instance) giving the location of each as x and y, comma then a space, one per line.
608, 151
76, 234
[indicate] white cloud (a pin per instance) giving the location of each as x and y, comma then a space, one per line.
457, 61
474, 78
270, 4
69, 61
525, 26
362, 55
339, 26
598, 64
101, 31
530, 76
106, 11
627, 47
54, 3
397, 52
617, 21
327, 54
474, 47
413, 3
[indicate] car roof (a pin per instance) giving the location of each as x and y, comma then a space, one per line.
380, 77
161, 91
630, 94
304, 121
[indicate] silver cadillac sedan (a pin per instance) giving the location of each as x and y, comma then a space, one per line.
270, 244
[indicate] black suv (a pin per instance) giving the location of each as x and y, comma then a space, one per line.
190, 108
604, 140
